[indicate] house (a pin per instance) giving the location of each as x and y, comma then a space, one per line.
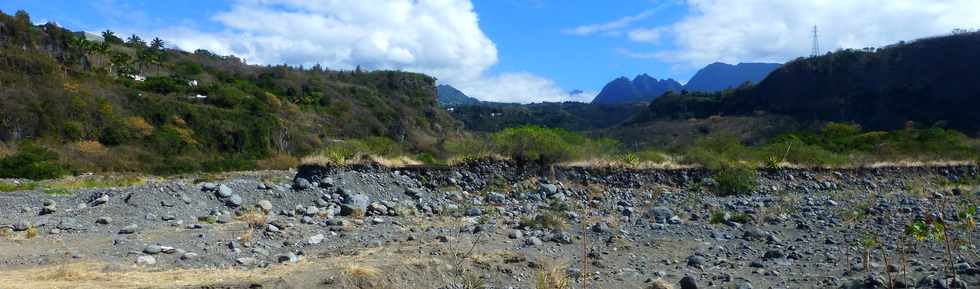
136, 77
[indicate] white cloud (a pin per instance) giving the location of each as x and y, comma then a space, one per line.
645, 35
520, 87
610, 26
437, 37
760, 30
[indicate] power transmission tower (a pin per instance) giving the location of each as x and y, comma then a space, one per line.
816, 43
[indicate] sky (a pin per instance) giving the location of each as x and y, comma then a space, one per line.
514, 50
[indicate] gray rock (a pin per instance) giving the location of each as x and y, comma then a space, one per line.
224, 191
300, 184
496, 198
533, 241
21, 226
246, 261
103, 220
287, 258
100, 200
355, 203
234, 201
146, 260
695, 261
209, 187
688, 282
473, 212
548, 189
265, 205
188, 256
131, 229
515, 234
153, 249
661, 214
316, 239
744, 285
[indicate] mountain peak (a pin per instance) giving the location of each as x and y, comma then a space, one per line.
720, 76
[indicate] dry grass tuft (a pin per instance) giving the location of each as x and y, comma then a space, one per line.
5, 232
551, 277
254, 217
363, 277
277, 162
31, 233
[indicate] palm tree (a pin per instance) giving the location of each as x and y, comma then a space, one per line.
80, 46
135, 41
110, 37
156, 44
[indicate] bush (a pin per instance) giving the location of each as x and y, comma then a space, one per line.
735, 178
538, 144
32, 162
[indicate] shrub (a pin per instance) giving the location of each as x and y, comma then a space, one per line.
538, 144
735, 178
32, 162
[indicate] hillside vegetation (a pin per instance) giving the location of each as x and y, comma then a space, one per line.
134, 105
928, 82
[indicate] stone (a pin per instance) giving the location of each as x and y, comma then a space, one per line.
100, 200
315, 239
473, 212
188, 256
287, 258
515, 234
21, 226
533, 241
695, 261
496, 198
146, 260
131, 229
548, 189
355, 203
153, 249
234, 201
688, 282
224, 191
661, 214
300, 184
743, 285
246, 261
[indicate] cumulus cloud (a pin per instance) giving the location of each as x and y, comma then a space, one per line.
761, 30
437, 37
522, 87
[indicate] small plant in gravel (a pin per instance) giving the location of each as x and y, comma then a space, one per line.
31, 233
551, 277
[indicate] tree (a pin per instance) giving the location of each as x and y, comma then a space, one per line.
135, 41
110, 37
156, 44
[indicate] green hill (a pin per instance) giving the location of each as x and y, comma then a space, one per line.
134, 105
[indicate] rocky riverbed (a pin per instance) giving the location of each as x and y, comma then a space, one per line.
498, 225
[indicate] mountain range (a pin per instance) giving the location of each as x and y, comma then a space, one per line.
714, 77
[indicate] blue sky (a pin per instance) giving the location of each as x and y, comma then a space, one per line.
513, 50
